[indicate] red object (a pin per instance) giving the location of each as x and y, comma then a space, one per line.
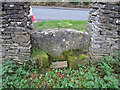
37, 76
32, 18
96, 68
39, 86
57, 73
51, 85
61, 77
32, 74
53, 80
31, 15
48, 69
45, 85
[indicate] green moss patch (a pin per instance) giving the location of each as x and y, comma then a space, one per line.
74, 61
76, 57
41, 57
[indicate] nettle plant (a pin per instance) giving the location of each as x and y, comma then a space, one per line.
104, 74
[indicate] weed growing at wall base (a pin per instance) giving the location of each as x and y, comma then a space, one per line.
104, 74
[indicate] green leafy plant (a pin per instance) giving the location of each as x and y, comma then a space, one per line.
100, 75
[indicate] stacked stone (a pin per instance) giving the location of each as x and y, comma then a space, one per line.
104, 27
0, 44
0, 31
16, 43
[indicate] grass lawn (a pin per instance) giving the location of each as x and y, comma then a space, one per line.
78, 25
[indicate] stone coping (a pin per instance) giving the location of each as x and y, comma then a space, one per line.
59, 0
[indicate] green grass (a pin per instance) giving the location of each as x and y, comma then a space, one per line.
78, 25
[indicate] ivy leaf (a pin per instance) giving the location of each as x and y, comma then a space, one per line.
23, 72
64, 82
77, 81
25, 81
101, 81
72, 79
10, 71
106, 78
102, 58
57, 86
70, 84
67, 75
81, 72
27, 74
90, 84
107, 72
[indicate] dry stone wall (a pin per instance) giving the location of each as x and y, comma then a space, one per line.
0, 31
14, 32
104, 28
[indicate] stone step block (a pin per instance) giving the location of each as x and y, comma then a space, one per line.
61, 64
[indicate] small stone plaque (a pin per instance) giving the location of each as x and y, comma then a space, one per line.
61, 64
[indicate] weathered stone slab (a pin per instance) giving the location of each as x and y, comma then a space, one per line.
61, 64
55, 41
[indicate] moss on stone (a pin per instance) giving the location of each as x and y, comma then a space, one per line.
72, 52
74, 64
73, 57
55, 58
41, 57
63, 56
81, 56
